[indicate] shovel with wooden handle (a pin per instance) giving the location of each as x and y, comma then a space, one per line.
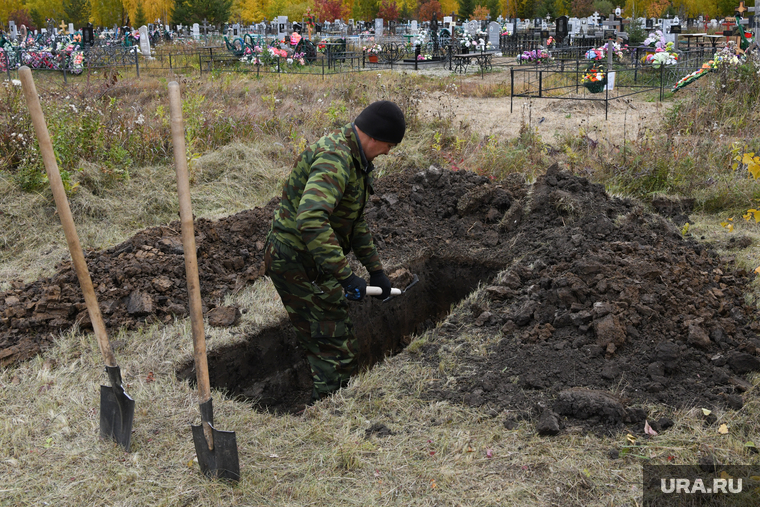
216, 450
117, 409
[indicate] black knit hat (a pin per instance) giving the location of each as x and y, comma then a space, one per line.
382, 120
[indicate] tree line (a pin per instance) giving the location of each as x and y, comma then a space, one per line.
36, 13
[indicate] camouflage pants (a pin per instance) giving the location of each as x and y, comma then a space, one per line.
319, 312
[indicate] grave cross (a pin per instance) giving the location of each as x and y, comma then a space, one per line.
206, 26
63, 27
595, 18
741, 9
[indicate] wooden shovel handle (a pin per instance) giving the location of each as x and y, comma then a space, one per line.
188, 244
64, 212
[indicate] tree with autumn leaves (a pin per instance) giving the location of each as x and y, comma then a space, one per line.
33, 13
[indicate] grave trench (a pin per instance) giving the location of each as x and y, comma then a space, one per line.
269, 370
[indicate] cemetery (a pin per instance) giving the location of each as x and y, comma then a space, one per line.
571, 219
554, 55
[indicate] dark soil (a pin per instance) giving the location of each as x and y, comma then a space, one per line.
599, 307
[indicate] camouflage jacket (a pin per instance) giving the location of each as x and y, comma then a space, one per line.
322, 209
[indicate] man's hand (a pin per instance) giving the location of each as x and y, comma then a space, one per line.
379, 279
355, 287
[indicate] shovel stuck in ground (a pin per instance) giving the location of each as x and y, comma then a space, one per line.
117, 409
216, 450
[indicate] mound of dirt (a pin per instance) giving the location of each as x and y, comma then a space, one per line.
594, 296
604, 297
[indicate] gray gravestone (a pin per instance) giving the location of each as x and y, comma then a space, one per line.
12, 29
378, 27
282, 26
144, 41
494, 30
415, 28
196, 31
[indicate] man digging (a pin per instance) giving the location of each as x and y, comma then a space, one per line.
319, 221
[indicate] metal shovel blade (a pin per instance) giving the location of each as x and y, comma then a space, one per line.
117, 411
221, 462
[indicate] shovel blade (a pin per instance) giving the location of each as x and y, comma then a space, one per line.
221, 462
117, 411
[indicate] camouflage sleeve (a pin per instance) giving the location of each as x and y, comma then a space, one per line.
364, 247
323, 191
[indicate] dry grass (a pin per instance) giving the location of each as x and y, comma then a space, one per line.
438, 453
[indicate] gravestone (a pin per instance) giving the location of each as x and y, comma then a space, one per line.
144, 41
473, 27
447, 20
71, 27
378, 27
12, 29
494, 30
560, 28
236, 30
196, 31
88, 35
282, 26
574, 26
650, 24
415, 29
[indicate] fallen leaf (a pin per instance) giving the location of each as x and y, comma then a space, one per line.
648, 429
433, 484
723, 429
706, 411
630, 438
489, 453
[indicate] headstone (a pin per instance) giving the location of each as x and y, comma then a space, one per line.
378, 27
574, 26
196, 31
144, 41
71, 27
236, 30
12, 29
618, 11
88, 35
473, 27
415, 29
560, 28
650, 24
494, 30
447, 20
282, 26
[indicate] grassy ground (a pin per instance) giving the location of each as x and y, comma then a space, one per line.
243, 135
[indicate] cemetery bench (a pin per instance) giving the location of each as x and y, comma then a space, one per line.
713, 40
462, 60
695, 36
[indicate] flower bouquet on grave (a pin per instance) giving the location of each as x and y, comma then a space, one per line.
594, 79
534, 56
662, 56
422, 58
655, 40
690, 78
373, 50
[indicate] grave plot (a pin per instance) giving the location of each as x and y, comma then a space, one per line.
573, 301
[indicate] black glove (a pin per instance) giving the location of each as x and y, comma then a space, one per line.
355, 287
379, 279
